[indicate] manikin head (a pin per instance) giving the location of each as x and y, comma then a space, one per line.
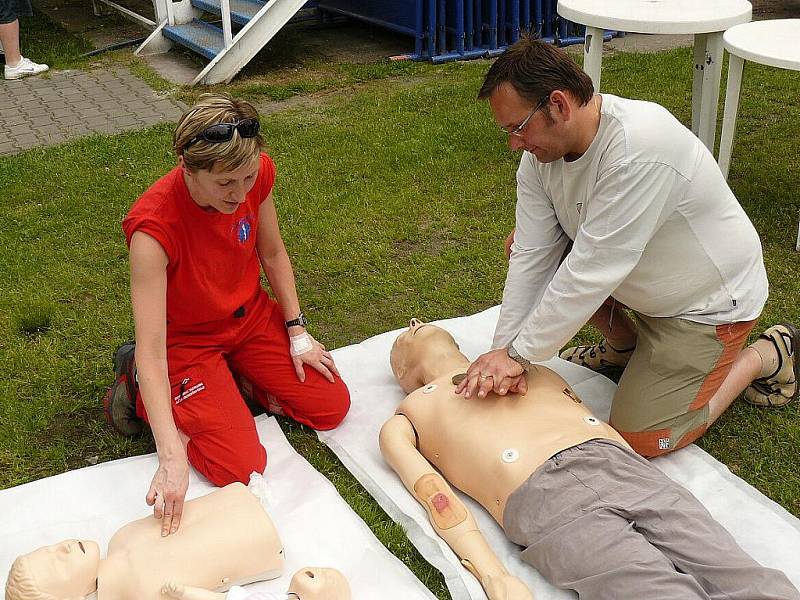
318, 583
536, 92
63, 571
422, 352
220, 161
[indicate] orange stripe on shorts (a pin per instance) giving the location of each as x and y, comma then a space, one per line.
658, 441
649, 443
733, 337
691, 436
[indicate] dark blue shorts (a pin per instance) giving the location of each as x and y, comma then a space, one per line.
11, 10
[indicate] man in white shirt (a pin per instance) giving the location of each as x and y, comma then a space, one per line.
620, 206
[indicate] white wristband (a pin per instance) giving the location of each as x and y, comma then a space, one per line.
300, 344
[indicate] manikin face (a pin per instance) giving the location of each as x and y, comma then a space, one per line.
67, 570
315, 583
412, 348
219, 190
543, 138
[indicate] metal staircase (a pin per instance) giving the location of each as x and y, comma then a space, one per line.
257, 23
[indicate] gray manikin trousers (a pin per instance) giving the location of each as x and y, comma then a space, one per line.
602, 521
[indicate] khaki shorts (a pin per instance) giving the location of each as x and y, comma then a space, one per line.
597, 519
661, 403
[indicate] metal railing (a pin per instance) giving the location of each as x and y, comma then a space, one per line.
457, 29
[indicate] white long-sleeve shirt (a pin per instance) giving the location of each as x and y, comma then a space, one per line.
653, 224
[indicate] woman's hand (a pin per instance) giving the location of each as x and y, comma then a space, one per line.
306, 350
168, 491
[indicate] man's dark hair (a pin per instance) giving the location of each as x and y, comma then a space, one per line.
536, 68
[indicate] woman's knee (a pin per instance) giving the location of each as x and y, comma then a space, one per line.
333, 407
330, 409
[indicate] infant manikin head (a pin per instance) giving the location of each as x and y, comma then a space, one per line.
420, 344
318, 583
63, 571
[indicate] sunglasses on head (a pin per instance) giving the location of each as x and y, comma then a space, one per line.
223, 132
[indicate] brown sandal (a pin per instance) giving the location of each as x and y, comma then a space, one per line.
782, 386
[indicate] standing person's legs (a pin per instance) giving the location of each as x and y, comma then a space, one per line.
9, 36
261, 355
16, 66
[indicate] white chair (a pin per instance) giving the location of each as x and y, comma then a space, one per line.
775, 43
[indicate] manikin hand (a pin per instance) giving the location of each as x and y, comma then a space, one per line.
318, 357
182, 592
168, 490
494, 371
505, 587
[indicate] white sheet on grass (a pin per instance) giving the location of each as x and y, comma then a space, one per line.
316, 525
763, 528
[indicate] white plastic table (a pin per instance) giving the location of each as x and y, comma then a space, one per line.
705, 19
774, 43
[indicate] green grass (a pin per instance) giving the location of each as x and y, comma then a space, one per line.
265, 81
394, 201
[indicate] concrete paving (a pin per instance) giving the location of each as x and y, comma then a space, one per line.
43, 111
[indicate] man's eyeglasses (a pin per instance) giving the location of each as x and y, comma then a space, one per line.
517, 131
223, 132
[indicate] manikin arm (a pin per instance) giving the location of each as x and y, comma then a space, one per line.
185, 592
309, 583
449, 516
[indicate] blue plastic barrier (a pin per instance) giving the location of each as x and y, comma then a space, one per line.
445, 30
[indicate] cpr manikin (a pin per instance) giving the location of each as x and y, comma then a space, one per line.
309, 583
226, 538
491, 449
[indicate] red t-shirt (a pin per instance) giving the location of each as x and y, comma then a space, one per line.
213, 264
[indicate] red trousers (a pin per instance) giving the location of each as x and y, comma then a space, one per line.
207, 405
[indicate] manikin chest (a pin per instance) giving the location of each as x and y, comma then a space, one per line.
487, 447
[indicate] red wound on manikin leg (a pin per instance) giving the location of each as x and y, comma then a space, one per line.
440, 502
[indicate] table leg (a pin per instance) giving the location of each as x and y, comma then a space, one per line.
735, 67
593, 55
706, 122
697, 81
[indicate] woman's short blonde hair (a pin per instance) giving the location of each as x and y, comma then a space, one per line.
20, 584
212, 109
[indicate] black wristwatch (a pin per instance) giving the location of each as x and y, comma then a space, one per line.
300, 320
518, 358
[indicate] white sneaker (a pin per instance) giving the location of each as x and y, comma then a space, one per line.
24, 68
